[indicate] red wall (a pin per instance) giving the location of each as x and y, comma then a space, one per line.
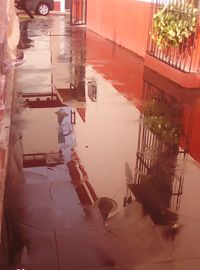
124, 70
194, 132
57, 5
122, 21
126, 23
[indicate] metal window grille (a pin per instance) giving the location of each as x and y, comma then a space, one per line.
78, 12
184, 56
92, 91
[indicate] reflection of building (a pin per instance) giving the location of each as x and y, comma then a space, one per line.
46, 100
158, 181
3, 53
66, 118
35, 101
42, 159
66, 140
73, 94
85, 191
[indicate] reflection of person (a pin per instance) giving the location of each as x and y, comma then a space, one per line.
66, 138
24, 7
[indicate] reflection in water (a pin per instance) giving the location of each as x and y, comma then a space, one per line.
33, 216
129, 181
75, 93
24, 42
158, 181
67, 170
79, 178
15, 176
66, 138
92, 90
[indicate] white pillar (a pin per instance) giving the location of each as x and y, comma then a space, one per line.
62, 5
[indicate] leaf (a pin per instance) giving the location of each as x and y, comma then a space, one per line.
172, 23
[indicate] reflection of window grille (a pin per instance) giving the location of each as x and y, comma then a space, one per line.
78, 56
178, 46
158, 162
1, 59
73, 117
3, 48
92, 91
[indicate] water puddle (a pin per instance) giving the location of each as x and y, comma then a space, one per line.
103, 166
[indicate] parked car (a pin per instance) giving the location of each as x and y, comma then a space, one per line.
41, 7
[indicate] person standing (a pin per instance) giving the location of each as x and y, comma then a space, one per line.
24, 7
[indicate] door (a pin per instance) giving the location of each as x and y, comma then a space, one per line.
78, 12
67, 4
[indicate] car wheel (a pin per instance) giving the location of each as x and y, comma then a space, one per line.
42, 9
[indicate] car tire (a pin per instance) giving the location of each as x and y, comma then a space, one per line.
42, 9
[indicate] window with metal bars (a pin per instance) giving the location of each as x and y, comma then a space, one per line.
174, 34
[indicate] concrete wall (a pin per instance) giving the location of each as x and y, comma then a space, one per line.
122, 21
9, 38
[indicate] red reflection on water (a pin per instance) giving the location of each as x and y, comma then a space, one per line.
127, 73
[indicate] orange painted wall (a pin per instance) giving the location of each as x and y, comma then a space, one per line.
193, 132
123, 70
122, 21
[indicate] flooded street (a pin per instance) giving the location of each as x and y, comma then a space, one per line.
104, 158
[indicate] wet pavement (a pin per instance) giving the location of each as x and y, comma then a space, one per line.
104, 158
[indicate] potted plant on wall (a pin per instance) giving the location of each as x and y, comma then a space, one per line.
175, 26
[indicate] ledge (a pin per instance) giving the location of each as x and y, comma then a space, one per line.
5, 125
186, 80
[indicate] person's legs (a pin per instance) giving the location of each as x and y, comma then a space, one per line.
23, 6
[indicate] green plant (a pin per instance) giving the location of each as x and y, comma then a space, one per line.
174, 24
164, 120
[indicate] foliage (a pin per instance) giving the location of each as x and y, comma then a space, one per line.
174, 24
163, 120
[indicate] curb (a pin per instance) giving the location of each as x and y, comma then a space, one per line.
5, 127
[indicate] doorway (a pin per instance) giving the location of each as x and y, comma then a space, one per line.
78, 12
